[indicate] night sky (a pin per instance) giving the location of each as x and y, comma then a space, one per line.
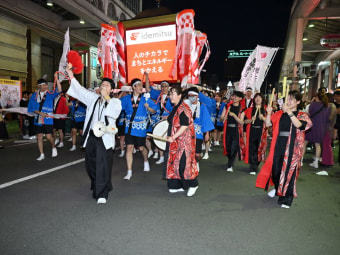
236, 24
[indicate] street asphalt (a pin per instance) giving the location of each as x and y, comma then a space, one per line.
51, 211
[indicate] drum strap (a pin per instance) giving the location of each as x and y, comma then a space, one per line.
87, 129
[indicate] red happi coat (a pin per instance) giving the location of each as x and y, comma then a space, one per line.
266, 171
185, 143
240, 133
261, 153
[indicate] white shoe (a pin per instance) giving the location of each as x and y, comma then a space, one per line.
33, 137
128, 175
206, 156
73, 148
252, 173
60, 145
210, 149
150, 153
272, 193
315, 164
217, 143
192, 191
70, 139
122, 153
146, 166
155, 155
101, 200
134, 150
230, 169
25, 137
203, 147
54, 152
285, 206
56, 141
176, 190
160, 161
42, 157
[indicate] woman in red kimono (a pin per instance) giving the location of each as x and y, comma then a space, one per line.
256, 133
284, 160
181, 167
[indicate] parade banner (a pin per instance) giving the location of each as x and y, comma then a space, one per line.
63, 61
247, 71
10, 91
264, 59
151, 50
256, 68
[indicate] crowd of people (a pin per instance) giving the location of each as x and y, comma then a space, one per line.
197, 121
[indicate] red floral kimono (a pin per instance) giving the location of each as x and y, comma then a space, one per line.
240, 133
261, 153
186, 143
266, 171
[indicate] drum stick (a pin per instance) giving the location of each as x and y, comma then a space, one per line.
257, 109
158, 137
271, 99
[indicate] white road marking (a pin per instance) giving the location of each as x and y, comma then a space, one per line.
7, 184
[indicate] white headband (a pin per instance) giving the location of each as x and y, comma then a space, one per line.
135, 83
193, 93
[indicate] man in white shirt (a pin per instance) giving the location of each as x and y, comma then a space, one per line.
99, 150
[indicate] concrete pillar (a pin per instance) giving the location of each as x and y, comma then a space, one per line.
34, 59
300, 24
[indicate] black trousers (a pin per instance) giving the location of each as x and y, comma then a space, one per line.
277, 168
233, 146
254, 143
99, 166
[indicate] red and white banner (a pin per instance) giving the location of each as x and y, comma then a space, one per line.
256, 68
63, 60
185, 44
120, 46
107, 53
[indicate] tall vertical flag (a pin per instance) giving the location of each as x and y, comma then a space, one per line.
63, 59
256, 67
120, 46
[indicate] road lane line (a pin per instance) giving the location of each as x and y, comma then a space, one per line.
7, 184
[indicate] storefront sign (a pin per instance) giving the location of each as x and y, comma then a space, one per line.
331, 41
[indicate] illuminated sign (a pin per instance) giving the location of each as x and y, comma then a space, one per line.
151, 50
239, 53
331, 41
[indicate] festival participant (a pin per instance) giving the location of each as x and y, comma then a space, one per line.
211, 110
181, 167
99, 150
78, 114
137, 108
246, 103
60, 106
3, 129
218, 123
163, 100
233, 143
24, 120
283, 163
202, 120
41, 103
125, 90
256, 133
153, 120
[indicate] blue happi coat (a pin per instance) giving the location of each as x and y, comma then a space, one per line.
140, 122
155, 95
47, 108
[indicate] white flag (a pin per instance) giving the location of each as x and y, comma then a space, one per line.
247, 72
264, 58
63, 60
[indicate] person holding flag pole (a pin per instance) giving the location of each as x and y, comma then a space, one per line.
283, 163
